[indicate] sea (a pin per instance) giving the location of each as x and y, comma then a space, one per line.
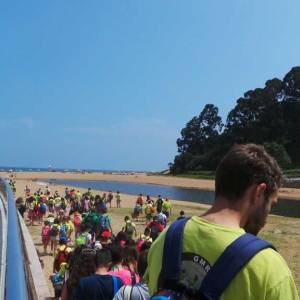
50, 169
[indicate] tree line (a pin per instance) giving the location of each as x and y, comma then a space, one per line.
269, 116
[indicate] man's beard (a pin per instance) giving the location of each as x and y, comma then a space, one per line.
257, 220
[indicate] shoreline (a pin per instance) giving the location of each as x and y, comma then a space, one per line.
140, 178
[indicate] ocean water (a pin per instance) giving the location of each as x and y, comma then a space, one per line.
285, 207
50, 169
171, 192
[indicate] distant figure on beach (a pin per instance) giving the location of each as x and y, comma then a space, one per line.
218, 255
167, 208
159, 202
110, 197
27, 191
140, 200
118, 199
149, 200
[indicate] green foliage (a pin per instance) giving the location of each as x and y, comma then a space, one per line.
268, 116
279, 153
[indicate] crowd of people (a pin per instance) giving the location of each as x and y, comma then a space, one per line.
90, 260
213, 256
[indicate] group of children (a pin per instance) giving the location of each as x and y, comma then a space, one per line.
151, 208
77, 225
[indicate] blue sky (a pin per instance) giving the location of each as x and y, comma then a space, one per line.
110, 84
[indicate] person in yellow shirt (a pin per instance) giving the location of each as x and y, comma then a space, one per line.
167, 207
246, 188
70, 228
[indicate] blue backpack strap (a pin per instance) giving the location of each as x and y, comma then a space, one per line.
231, 261
173, 250
116, 285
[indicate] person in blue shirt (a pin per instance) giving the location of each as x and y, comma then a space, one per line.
100, 285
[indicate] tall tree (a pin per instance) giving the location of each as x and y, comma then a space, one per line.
257, 116
200, 131
291, 113
268, 115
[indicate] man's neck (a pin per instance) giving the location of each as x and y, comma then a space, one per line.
101, 271
221, 213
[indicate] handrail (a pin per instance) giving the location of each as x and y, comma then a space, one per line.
3, 242
15, 279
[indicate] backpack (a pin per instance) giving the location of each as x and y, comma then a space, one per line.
104, 223
81, 240
63, 231
161, 219
63, 205
46, 232
129, 229
61, 257
36, 207
148, 210
43, 208
57, 280
116, 284
53, 231
227, 266
154, 231
77, 221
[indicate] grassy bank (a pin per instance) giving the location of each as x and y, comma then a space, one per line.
210, 174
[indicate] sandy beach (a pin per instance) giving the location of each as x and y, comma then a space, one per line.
286, 193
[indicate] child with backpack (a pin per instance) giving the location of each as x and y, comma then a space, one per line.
138, 291
155, 228
84, 237
46, 235
54, 233
36, 208
51, 204
50, 219
144, 238
137, 211
31, 215
63, 254
77, 222
149, 210
70, 228
162, 219
129, 227
57, 207
42, 212
63, 230
104, 221
63, 204
124, 262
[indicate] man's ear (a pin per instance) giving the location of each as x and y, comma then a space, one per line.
109, 265
259, 192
